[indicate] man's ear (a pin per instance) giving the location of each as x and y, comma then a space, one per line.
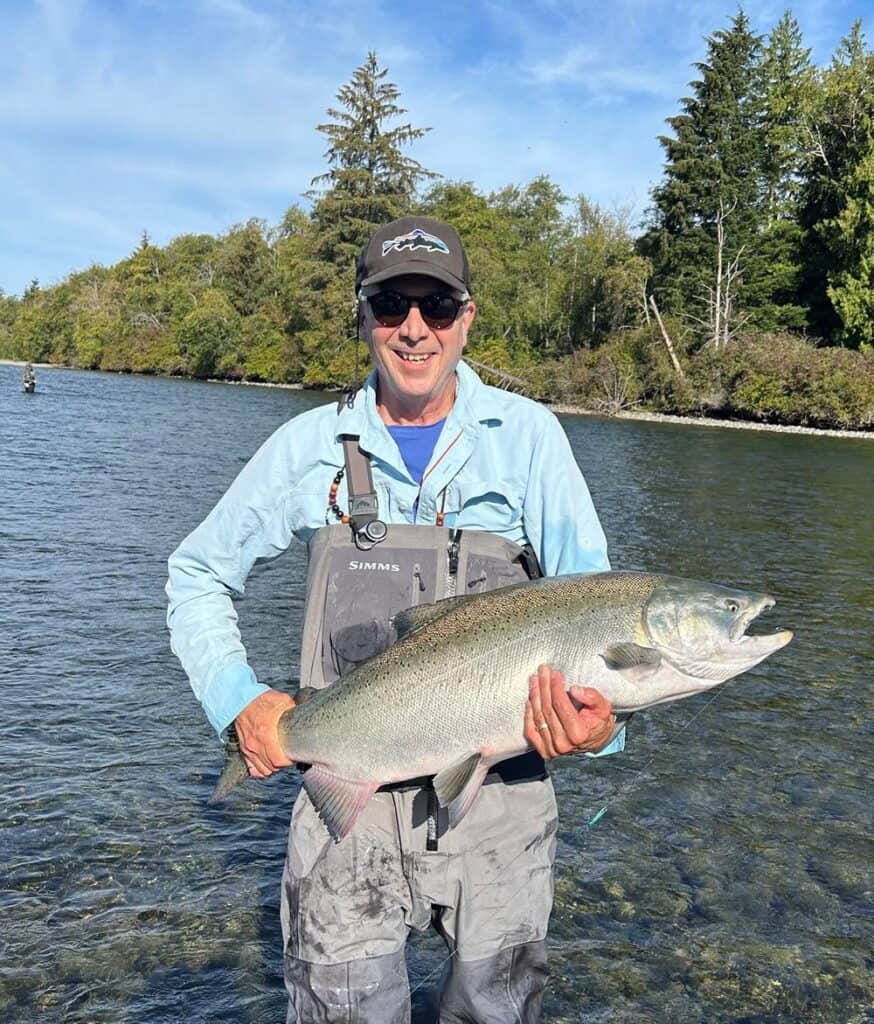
468, 317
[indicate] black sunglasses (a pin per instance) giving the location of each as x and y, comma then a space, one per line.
438, 310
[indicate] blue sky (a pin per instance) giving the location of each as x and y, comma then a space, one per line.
181, 116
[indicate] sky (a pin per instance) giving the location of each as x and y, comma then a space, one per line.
179, 116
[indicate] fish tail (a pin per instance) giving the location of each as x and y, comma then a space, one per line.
236, 769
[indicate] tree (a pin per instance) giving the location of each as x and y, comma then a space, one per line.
370, 180
244, 266
788, 84
838, 197
714, 163
208, 333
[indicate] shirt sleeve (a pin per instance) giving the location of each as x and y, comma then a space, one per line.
560, 519
250, 523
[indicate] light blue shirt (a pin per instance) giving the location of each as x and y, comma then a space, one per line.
501, 463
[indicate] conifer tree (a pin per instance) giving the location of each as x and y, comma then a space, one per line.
370, 180
787, 88
708, 209
838, 197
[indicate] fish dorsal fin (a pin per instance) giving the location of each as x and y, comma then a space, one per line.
411, 619
338, 801
457, 785
632, 660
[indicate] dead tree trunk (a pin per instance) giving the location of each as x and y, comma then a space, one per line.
667, 340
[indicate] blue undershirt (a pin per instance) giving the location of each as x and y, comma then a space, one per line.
416, 445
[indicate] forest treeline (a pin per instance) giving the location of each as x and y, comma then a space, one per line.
748, 291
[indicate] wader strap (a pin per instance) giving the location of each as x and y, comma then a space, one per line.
528, 560
367, 528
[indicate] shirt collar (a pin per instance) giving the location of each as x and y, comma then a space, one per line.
475, 403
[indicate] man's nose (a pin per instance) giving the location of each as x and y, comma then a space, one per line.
414, 327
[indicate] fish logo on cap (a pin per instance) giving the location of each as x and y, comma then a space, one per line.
415, 239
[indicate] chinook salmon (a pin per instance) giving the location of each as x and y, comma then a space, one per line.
448, 697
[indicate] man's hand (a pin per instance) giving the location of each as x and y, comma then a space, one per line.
554, 726
258, 734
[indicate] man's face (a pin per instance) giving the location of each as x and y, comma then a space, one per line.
416, 363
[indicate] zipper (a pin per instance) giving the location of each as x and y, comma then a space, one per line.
419, 585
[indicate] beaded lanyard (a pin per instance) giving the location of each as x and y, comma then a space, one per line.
342, 517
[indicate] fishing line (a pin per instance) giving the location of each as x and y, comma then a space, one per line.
679, 730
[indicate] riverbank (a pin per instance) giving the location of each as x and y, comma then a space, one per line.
702, 421
557, 407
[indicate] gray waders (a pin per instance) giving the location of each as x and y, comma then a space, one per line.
486, 886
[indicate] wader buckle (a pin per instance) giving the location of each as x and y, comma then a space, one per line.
367, 528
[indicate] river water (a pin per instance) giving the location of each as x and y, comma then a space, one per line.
728, 880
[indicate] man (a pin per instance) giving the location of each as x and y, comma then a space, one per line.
425, 485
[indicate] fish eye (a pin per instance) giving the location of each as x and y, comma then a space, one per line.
732, 606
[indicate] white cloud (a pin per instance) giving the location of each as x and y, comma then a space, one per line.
179, 117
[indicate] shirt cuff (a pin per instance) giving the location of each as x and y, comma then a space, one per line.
230, 691
615, 746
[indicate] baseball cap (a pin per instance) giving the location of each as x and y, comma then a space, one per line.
414, 245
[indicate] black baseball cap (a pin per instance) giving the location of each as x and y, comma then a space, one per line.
414, 245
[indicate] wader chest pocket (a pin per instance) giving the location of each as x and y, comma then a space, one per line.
488, 573
364, 590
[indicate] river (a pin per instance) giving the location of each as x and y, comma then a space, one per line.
728, 880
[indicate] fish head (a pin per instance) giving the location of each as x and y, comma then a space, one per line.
701, 629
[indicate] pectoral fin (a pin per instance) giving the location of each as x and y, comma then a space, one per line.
338, 801
457, 786
632, 660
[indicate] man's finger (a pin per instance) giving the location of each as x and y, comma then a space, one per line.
258, 768
590, 698
531, 732
560, 715
547, 679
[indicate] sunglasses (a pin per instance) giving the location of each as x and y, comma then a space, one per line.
438, 310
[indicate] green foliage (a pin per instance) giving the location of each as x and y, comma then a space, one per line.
784, 379
43, 327
8, 313
208, 332
838, 192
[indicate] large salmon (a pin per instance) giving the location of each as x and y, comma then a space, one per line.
448, 698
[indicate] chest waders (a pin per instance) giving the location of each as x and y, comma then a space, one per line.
486, 886
362, 574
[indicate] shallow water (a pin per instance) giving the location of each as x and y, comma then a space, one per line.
729, 879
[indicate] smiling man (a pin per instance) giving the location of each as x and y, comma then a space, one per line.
425, 484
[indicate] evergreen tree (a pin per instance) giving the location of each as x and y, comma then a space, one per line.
838, 197
370, 180
787, 86
708, 210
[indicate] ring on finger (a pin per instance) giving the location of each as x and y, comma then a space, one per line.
543, 725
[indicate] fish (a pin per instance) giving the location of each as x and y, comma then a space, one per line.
447, 699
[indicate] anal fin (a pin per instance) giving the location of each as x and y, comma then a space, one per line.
338, 801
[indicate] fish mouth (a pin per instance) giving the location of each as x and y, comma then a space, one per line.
759, 645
